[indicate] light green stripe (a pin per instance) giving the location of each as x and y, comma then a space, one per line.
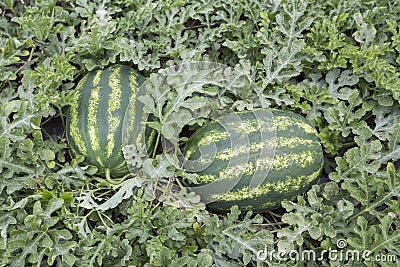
114, 103
248, 126
206, 178
278, 123
121, 165
308, 128
74, 131
97, 77
93, 106
151, 140
290, 184
314, 175
230, 172
132, 105
279, 162
189, 152
269, 204
278, 143
282, 123
212, 137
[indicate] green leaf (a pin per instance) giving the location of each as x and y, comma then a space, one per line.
125, 191
204, 259
385, 119
47, 154
366, 235
161, 168
62, 247
366, 33
288, 238
393, 152
73, 174
387, 239
356, 160
317, 220
345, 118
5, 221
340, 90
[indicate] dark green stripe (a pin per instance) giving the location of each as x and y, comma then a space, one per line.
83, 117
126, 92
102, 117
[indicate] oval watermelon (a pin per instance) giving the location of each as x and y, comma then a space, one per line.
94, 125
252, 160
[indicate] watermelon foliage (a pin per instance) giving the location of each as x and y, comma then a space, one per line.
335, 62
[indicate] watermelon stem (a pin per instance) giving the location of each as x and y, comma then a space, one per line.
46, 133
346, 145
126, 176
274, 216
155, 206
107, 192
108, 176
61, 116
114, 181
102, 220
156, 145
109, 179
179, 183
357, 215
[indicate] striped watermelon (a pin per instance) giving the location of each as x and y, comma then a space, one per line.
252, 160
95, 123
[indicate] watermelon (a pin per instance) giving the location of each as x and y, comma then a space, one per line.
94, 124
253, 160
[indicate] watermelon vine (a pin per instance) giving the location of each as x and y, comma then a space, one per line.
332, 63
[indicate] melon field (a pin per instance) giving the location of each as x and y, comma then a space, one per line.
110, 154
